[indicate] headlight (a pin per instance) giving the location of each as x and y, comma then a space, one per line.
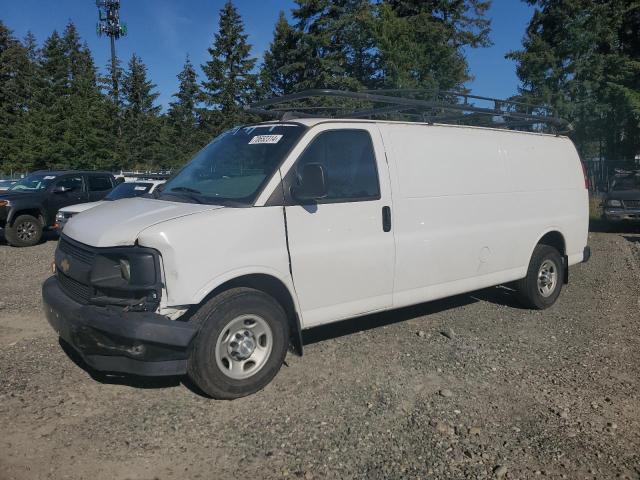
129, 269
4, 203
614, 203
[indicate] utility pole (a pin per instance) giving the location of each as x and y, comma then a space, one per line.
109, 24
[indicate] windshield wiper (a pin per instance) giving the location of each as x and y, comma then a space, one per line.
184, 192
185, 189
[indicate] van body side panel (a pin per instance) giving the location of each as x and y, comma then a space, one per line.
470, 205
547, 175
221, 245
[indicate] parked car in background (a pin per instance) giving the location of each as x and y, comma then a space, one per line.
6, 184
30, 206
622, 203
120, 191
278, 227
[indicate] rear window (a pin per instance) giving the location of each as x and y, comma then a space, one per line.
99, 184
129, 190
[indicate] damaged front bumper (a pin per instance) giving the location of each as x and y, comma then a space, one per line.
110, 339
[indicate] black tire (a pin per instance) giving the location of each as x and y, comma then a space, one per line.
26, 231
214, 317
528, 289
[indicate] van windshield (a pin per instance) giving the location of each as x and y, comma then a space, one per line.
235, 166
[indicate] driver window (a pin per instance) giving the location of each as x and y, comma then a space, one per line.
72, 184
349, 163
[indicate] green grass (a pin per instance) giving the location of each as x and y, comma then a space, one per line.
595, 209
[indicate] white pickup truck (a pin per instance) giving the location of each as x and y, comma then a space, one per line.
278, 227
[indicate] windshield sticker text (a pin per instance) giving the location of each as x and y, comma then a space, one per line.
262, 139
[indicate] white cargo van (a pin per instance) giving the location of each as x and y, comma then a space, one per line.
278, 227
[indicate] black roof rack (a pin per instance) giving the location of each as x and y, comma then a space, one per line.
412, 105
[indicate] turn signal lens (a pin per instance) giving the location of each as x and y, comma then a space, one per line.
125, 269
4, 203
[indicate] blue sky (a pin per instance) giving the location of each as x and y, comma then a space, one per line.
162, 32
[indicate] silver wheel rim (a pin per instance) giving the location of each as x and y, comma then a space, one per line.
547, 278
244, 346
26, 231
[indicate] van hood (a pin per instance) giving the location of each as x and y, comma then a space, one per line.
115, 224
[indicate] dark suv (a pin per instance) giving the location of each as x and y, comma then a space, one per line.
30, 206
622, 204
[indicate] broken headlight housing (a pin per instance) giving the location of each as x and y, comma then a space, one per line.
127, 276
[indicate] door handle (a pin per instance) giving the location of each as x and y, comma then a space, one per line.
386, 219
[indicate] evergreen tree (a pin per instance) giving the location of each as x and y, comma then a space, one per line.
421, 42
87, 142
46, 126
183, 111
337, 45
279, 73
320, 60
183, 116
140, 123
582, 58
230, 83
16, 89
356, 34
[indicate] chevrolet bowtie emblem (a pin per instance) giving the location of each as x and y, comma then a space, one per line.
65, 265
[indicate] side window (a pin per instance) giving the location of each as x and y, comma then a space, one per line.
73, 184
99, 183
349, 163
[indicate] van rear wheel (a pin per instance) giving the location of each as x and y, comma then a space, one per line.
241, 344
542, 285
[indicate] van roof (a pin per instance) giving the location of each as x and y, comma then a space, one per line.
310, 122
427, 107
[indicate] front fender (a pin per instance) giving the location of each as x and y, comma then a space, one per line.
17, 207
220, 280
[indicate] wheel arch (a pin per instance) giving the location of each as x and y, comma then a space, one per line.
272, 286
553, 237
32, 210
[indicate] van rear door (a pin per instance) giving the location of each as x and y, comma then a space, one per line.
342, 247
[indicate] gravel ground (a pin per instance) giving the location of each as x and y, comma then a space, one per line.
469, 387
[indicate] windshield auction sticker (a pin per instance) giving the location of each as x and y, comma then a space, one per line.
262, 139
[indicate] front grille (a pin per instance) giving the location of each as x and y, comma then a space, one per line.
631, 203
79, 292
75, 251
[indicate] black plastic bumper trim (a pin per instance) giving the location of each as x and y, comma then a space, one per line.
74, 323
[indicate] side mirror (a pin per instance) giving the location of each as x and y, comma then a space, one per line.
60, 189
313, 183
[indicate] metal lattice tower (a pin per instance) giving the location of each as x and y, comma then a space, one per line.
109, 24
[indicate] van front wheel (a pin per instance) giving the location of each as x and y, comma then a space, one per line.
241, 344
542, 285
